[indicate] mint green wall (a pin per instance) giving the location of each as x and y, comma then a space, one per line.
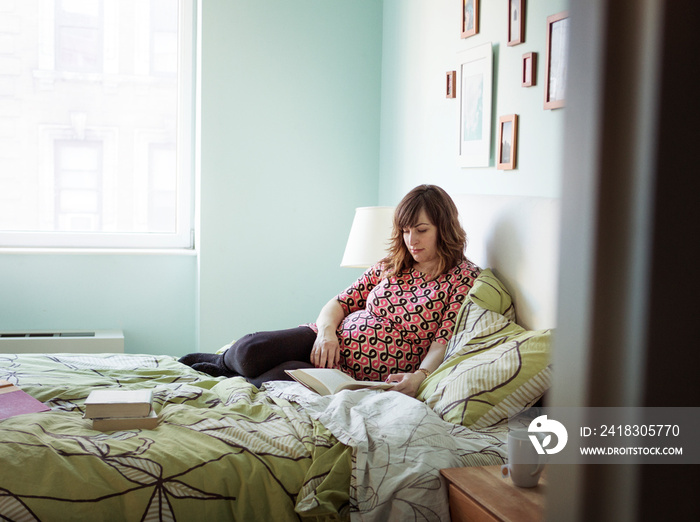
150, 297
292, 95
419, 125
290, 146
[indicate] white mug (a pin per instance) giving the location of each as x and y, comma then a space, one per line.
524, 464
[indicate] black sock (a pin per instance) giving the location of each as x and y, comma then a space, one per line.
215, 370
194, 358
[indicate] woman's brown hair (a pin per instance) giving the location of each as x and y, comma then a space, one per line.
442, 212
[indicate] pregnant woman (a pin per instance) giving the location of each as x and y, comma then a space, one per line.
392, 324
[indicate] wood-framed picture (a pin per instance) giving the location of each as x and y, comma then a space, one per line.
451, 84
507, 142
516, 22
529, 70
470, 18
475, 91
556, 60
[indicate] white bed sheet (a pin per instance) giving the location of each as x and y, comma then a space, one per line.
399, 446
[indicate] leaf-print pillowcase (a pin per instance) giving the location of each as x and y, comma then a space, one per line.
493, 381
493, 367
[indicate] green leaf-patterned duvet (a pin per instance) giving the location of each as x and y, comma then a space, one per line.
222, 451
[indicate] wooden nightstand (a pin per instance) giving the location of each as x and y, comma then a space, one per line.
479, 494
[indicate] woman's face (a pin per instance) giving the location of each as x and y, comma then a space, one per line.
421, 241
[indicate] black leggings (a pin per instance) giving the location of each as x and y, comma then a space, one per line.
263, 356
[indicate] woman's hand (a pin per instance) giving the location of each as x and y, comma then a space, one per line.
326, 351
407, 383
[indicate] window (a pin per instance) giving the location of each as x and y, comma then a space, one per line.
162, 189
78, 186
79, 35
96, 123
163, 39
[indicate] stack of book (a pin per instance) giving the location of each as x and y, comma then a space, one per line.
112, 409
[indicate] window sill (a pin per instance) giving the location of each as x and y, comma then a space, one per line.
102, 251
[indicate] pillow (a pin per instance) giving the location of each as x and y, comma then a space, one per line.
478, 327
493, 382
490, 294
493, 368
487, 308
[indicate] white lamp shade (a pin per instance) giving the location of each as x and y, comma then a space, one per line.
369, 237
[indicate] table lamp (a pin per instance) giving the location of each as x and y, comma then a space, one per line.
369, 237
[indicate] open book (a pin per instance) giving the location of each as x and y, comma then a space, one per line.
328, 381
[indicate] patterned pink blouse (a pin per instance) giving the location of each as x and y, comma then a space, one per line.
391, 323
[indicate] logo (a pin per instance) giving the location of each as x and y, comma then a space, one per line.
543, 425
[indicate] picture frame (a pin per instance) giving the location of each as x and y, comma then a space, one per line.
506, 156
556, 60
529, 70
475, 90
516, 22
451, 84
470, 18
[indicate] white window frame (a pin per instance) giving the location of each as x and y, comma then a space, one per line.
183, 239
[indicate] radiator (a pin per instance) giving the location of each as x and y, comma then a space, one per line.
68, 341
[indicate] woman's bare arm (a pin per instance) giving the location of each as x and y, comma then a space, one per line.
326, 350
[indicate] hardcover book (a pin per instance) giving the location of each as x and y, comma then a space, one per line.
126, 423
118, 403
329, 381
14, 401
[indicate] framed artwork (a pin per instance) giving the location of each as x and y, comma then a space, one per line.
516, 22
507, 142
529, 69
451, 84
475, 98
556, 62
470, 18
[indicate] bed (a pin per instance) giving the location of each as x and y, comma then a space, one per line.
226, 450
